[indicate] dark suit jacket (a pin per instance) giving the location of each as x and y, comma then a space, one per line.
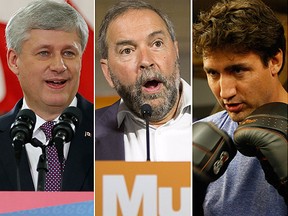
109, 139
79, 166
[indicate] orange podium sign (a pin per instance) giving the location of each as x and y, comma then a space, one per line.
142, 188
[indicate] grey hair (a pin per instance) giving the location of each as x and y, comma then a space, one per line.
45, 15
119, 9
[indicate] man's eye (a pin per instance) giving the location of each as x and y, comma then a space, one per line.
158, 43
69, 54
44, 53
126, 51
212, 73
238, 70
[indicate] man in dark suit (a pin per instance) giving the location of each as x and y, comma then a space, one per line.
109, 137
45, 42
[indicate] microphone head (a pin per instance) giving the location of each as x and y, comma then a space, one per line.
146, 110
22, 129
27, 115
65, 127
73, 113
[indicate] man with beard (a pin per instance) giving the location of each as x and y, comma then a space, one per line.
140, 60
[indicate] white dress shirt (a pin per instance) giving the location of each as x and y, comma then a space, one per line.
33, 153
171, 141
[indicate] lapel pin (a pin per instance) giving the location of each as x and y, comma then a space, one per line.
87, 134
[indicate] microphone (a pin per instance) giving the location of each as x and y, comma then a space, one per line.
146, 112
42, 166
22, 129
21, 133
64, 129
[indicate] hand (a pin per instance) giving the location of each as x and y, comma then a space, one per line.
264, 134
213, 150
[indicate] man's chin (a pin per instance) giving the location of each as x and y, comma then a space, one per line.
155, 104
58, 101
237, 117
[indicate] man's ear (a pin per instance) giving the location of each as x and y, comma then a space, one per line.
106, 72
276, 62
176, 48
12, 58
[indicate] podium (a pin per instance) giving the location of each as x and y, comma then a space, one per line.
46, 203
143, 188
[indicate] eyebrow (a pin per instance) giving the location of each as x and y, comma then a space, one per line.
133, 43
153, 34
51, 46
229, 67
236, 66
125, 42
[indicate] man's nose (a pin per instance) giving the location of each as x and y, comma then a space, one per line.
227, 87
58, 64
146, 58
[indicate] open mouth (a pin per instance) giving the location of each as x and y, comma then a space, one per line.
152, 85
56, 83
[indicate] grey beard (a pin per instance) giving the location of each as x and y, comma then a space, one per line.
134, 98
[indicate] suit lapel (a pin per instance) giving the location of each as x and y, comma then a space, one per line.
109, 138
8, 157
79, 167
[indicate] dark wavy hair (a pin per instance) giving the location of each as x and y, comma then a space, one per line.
240, 26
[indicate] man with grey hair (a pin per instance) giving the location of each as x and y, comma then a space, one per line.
140, 60
45, 44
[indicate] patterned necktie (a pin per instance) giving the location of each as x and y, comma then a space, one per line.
53, 176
